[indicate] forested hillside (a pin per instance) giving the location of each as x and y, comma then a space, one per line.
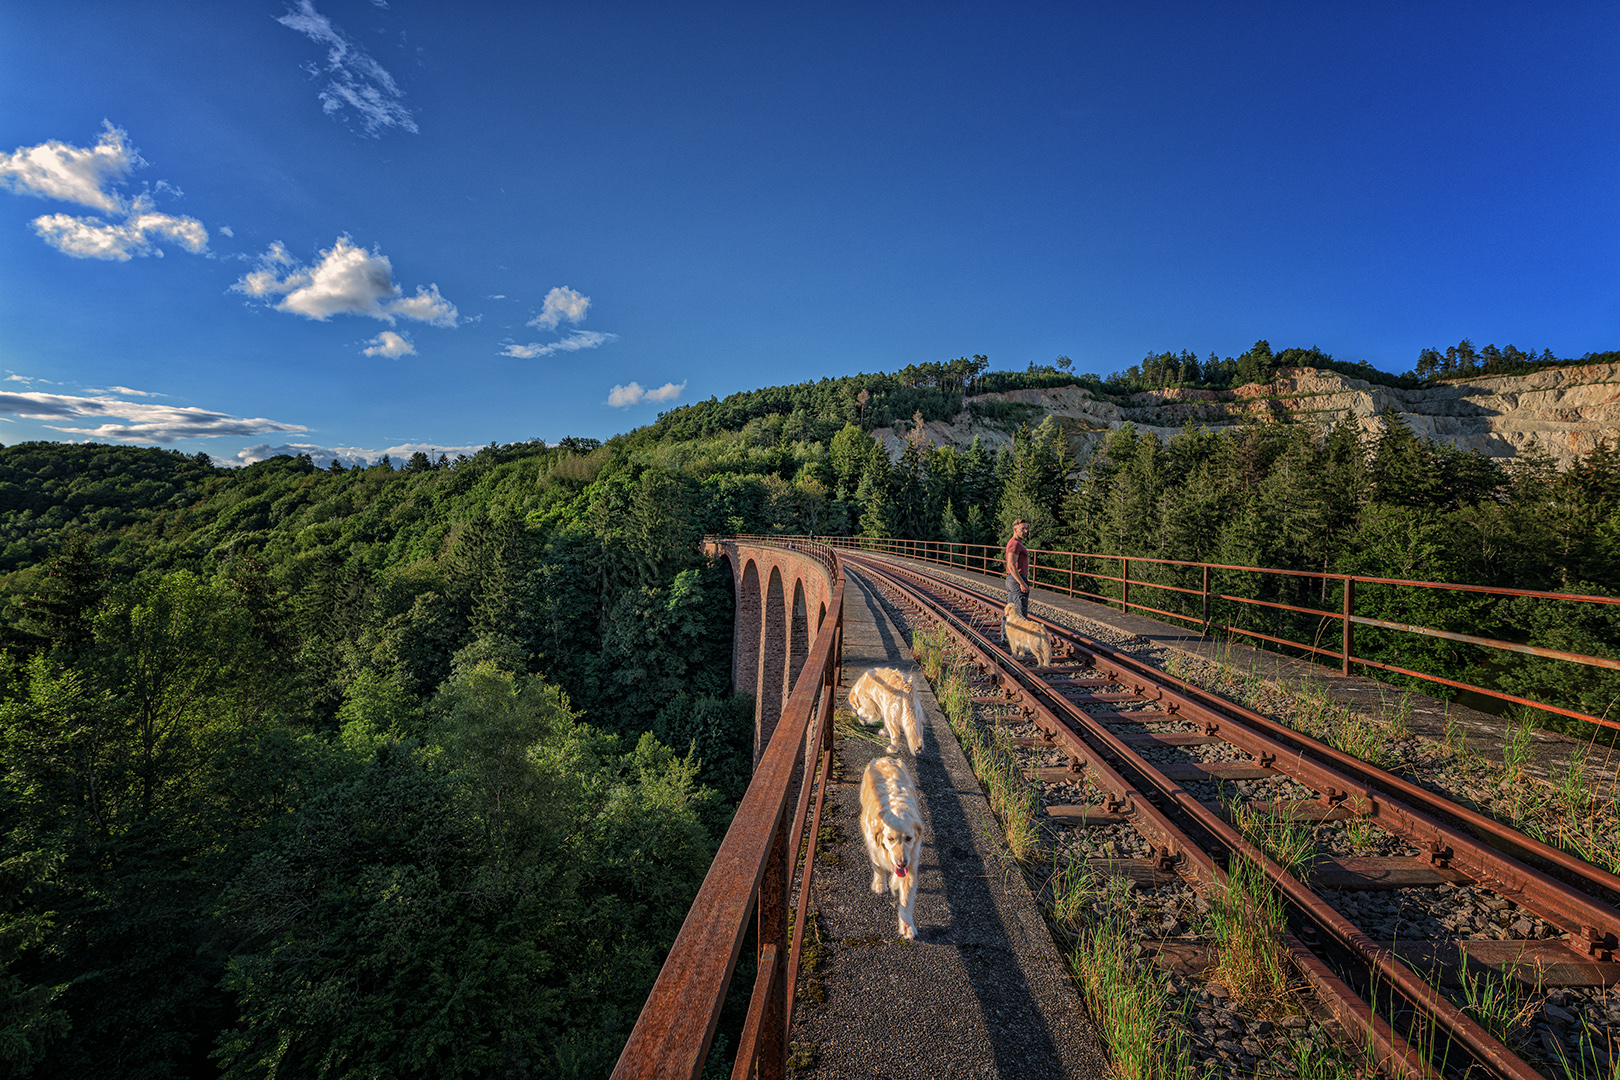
314, 771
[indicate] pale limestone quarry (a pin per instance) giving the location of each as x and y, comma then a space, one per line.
1565, 412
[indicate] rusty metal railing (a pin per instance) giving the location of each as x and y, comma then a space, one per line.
752, 873
1062, 571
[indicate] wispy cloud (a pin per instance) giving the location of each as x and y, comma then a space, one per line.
88, 176
127, 392
142, 421
561, 303
578, 339
355, 81
623, 397
348, 280
391, 345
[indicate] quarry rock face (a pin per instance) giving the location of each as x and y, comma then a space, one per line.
1563, 412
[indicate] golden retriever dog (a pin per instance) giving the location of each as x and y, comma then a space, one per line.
889, 696
892, 828
1026, 636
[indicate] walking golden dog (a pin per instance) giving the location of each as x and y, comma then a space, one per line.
1026, 636
889, 696
892, 827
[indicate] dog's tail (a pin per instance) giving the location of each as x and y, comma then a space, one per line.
912, 722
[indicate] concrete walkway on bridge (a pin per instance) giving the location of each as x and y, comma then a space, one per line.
982, 992
1486, 734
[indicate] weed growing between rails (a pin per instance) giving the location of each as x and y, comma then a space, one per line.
1126, 996
1248, 916
1128, 999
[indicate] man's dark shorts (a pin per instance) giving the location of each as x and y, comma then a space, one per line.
1017, 597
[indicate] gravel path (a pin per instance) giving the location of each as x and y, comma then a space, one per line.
982, 991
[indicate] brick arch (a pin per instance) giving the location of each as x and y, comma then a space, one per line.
746, 629
798, 638
775, 590
772, 662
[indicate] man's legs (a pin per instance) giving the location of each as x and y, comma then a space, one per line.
1017, 597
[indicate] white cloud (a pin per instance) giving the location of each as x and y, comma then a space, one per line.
578, 339
143, 422
92, 238
391, 345
355, 80
561, 303
401, 453
350, 456
76, 174
623, 397
58, 170
348, 280
226, 230
426, 306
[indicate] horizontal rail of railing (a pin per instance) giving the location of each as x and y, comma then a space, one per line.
752, 873
1061, 571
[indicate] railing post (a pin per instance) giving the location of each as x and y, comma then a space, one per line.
1124, 583
1071, 573
1348, 642
1206, 601
773, 903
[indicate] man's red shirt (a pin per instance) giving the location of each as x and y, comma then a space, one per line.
1018, 559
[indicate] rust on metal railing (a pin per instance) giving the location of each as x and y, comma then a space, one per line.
1053, 563
753, 872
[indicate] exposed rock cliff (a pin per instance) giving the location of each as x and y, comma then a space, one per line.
1565, 412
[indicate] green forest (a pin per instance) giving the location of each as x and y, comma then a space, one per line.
314, 771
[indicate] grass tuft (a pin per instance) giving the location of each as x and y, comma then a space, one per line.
1128, 999
1248, 916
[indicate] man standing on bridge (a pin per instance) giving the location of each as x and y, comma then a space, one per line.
1018, 569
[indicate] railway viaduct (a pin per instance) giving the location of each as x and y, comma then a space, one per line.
782, 596
981, 991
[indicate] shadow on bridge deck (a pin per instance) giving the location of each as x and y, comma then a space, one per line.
982, 991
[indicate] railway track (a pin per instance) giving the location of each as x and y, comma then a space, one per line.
1114, 742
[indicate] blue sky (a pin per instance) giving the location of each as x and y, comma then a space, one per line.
356, 227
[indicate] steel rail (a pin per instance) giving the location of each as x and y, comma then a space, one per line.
1595, 923
1468, 1033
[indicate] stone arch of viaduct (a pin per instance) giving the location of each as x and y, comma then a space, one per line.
782, 597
